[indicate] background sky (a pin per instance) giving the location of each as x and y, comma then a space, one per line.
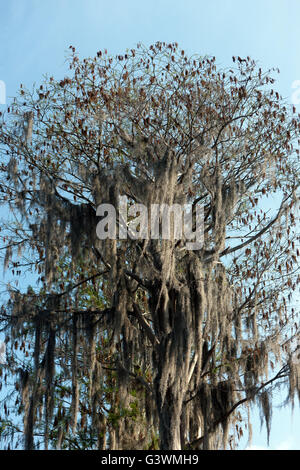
35, 36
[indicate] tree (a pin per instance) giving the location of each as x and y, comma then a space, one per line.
142, 343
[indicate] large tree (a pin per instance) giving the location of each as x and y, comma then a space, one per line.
141, 343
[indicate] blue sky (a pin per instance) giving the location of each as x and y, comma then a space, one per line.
35, 36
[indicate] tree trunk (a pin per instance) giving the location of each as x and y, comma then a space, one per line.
169, 421
172, 358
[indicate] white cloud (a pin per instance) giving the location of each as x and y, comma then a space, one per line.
257, 448
286, 444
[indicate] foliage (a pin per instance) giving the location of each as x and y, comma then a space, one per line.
141, 343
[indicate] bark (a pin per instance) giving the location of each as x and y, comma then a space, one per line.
169, 420
172, 360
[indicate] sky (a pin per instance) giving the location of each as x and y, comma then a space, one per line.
35, 36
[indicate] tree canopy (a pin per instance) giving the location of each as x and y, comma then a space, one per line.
142, 343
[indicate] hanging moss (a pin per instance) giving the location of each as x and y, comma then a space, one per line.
141, 343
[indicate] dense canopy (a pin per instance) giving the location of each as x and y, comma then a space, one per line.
142, 343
